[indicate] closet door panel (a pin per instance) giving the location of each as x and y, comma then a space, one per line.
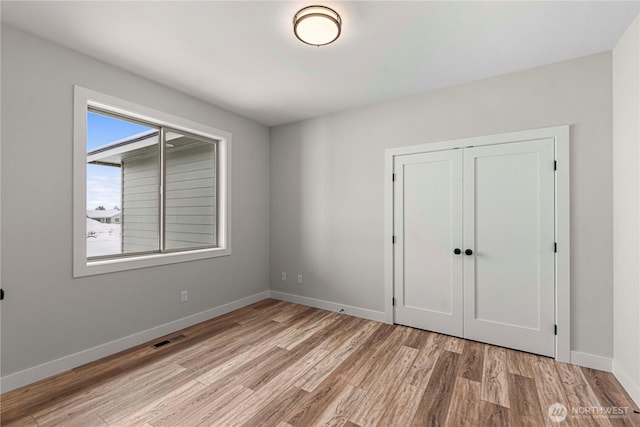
427, 226
509, 279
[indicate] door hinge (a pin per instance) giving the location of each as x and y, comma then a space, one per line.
555, 329
555, 247
555, 165
393, 239
1, 294
393, 301
393, 177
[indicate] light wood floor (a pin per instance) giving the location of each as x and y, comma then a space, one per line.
281, 364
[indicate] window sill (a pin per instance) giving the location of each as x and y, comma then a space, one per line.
91, 268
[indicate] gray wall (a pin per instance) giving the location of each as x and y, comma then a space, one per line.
626, 198
327, 198
47, 313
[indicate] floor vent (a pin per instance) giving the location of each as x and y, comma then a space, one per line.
169, 341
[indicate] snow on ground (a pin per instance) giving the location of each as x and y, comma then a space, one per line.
103, 239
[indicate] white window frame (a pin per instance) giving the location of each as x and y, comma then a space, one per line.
84, 99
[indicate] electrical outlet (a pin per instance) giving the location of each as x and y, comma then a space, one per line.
283, 275
184, 296
299, 279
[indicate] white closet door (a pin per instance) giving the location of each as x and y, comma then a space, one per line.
509, 226
428, 227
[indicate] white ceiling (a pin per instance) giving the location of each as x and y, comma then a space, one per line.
243, 56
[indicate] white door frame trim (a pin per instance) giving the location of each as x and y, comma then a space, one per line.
562, 214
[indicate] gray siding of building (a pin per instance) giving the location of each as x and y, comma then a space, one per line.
140, 204
190, 200
190, 197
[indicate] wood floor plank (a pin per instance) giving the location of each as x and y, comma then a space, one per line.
265, 369
520, 363
420, 372
260, 314
275, 411
84, 420
211, 413
382, 391
241, 369
279, 385
200, 360
204, 407
27, 421
235, 364
113, 409
219, 345
550, 389
251, 372
434, 404
492, 415
495, 388
355, 364
323, 369
107, 396
261, 305
244, 410
415, 338
402, 408
317, 316
377, 362
579, 394
434, 339
349, 324
165, 406
612, 395
524, 403
472, 361
345, 404
453, 344
304, 332
293, 313
464, 410
227, 413
314, 405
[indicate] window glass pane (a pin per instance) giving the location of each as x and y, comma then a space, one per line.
123, 202
190, 197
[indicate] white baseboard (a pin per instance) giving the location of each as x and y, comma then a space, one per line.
592, 361
37, 373
627, 382
364, 313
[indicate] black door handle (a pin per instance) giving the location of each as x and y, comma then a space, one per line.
457, 251
468, 252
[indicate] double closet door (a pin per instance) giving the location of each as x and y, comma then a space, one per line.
474, 251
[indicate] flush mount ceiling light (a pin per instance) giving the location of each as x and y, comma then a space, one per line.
317, 25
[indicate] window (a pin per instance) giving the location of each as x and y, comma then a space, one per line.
149, 188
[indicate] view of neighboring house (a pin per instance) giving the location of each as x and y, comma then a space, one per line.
105, 216
189, 199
